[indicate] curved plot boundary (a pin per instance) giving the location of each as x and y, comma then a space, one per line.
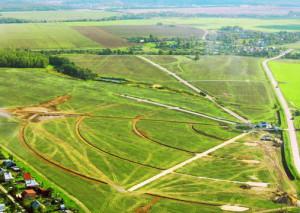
87, 142
140, 134
198, 131
53, 163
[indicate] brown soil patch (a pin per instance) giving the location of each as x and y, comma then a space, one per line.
44, 111
102, 37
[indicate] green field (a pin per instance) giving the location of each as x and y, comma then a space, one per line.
237, 82
107, 142
287, 73
43, 36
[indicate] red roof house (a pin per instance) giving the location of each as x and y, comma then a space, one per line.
27, 176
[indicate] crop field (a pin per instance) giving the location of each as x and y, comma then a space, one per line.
59, 15
47, 36
161, 31
97, 145
104, 38
237, 82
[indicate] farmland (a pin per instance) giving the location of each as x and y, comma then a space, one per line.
70, 148
37, 36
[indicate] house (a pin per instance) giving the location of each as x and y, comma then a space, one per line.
28, 193
6, 176
15, 169
8, 163
2, 208
31, 183
27, 176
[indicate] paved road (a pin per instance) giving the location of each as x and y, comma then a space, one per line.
197, 90
284, 104
178, 109
184, 163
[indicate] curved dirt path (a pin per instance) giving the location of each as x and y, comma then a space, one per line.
87, 142
288, 115
144, 136
195, 89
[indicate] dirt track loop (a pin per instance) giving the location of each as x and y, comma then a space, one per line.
84, 140
184, 163
287, 112
24, 142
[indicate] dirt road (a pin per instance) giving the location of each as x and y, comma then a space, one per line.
178, 109
195, 89
184, 163
285, 107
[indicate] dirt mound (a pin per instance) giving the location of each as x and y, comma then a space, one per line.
44, 111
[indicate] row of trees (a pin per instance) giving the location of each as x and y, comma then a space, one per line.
22, 59
65, 66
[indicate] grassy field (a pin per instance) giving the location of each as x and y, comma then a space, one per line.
102, 137
287, 72
42, 36
237, 82
59, 15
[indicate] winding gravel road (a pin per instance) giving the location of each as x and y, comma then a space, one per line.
284, 104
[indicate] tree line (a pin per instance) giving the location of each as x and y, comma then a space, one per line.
65, 66
22, 59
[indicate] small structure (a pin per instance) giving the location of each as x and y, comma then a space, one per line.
264, 125
8, 163
266, 138
31, 183
15, 169
6, 176
37, 206
2, 208
28, 193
